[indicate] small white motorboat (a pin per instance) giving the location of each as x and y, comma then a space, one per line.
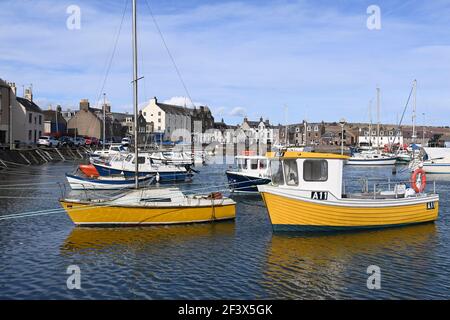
106, 183
436, 160
251, 171
371, 158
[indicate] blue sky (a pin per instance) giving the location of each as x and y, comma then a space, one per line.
250, 58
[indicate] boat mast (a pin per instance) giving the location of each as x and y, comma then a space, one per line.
378, 118
104, 120
414, 112
370, 123
286, 140
135, 96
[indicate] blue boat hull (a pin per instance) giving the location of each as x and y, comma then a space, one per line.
241, 183
168, 176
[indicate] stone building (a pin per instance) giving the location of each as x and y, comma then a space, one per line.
54, 122
176, 123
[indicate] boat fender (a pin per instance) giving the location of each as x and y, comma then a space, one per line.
418, 173
157, 177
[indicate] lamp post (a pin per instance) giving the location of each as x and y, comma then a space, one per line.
423, 131
342, 123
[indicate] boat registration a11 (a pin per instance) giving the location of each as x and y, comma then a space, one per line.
319, 195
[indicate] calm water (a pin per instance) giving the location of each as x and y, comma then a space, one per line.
234, 260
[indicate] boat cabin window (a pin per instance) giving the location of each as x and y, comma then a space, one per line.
129, 157
315, 170
277, 172
263, 164
240, 164
254, 164
291, 172
141, 160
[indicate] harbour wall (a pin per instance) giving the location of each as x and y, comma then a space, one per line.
37, 156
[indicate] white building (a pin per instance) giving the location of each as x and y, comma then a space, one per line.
170, 120
258, 131
388, 136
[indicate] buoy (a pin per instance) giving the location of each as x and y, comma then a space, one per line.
422, 179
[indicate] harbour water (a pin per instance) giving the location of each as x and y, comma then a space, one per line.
242, 259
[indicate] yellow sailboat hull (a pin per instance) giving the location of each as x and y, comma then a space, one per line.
288, 214
88, 214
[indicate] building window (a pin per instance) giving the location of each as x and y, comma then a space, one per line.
159, 128
30, 118
40, 121
29, 134
159, 120
381, 133
159, 113
308, 128
145, 114
391, 133
316, 128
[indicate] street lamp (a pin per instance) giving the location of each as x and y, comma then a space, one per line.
423, 131
342, 123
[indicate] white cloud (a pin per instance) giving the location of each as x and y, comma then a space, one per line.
181, 101
236, 53
238, 112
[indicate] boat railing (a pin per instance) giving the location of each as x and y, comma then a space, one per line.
378, 187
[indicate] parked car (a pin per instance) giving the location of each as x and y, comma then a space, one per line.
48, 141
126, 141
94, 141
66, 141
79, 141
87, 141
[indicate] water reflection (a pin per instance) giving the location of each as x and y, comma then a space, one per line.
320, 266
86, 239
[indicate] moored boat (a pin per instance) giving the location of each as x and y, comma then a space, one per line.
437, 160
251, 171
306, 194
371, 158
163, 172
146, 206
150, 207
77, 182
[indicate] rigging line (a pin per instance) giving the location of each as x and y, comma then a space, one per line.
60, 210
169, 53
112, 54
403, 114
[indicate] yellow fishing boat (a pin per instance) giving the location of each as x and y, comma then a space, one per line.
150, 207
307, 194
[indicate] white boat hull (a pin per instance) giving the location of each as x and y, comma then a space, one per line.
371, 162
80, 183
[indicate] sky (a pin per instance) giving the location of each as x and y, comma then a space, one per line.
282, 60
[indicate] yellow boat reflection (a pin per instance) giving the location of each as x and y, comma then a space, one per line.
326, 261
82, 238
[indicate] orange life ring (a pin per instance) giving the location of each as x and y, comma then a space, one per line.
423, 180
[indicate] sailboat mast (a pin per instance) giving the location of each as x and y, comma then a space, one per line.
135, 95
370, 123
378, 117
414, 112
104, 120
